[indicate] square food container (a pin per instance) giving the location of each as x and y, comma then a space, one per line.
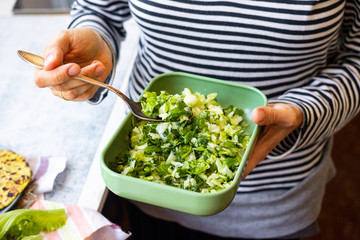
244, 97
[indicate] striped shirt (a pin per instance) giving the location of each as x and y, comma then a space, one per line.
302, 52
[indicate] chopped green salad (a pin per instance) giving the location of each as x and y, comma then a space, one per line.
198, 147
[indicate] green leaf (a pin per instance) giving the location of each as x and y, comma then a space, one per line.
152, 149
26, 222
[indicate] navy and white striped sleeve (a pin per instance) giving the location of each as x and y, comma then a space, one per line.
107, 17
331, 98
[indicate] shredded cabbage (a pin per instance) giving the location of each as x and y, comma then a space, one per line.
198, 147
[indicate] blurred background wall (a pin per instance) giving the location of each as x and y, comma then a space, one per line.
340, 215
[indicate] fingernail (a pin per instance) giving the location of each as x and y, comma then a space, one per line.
49, 59
73, 71
99, 70
261, 116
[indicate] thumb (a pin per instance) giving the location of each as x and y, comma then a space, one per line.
58, 46
272, 114
52, 58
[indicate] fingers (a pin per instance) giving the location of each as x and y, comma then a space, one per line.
57, 76
267, 115
69, 53
81, 93
77, 90
286, 115
95, 70
59, 94
278, 121
269, 137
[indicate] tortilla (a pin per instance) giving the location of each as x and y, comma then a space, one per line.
15, 175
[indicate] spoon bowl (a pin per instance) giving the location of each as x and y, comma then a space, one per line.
135, 107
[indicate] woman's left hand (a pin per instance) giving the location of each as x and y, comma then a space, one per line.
278, 121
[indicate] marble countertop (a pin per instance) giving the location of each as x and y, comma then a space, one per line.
35, 123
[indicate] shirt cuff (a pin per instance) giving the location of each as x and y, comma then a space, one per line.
101, 93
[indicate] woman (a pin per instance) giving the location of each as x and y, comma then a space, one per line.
304, 55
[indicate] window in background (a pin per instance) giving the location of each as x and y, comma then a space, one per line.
42, 6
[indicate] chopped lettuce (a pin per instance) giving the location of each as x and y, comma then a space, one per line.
165, 106
198, 147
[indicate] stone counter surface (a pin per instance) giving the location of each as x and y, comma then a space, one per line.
33, 122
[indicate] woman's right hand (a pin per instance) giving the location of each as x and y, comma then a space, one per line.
69, 53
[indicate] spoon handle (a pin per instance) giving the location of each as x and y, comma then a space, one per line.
104, 85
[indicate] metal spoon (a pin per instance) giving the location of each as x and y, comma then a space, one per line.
135, 107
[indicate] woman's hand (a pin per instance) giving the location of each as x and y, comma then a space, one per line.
69, 53
278, 121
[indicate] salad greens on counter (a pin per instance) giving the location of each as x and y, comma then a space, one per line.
198, 147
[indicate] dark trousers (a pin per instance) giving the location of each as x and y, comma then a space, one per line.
144, 227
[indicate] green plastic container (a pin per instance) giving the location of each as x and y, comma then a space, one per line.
241, 96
